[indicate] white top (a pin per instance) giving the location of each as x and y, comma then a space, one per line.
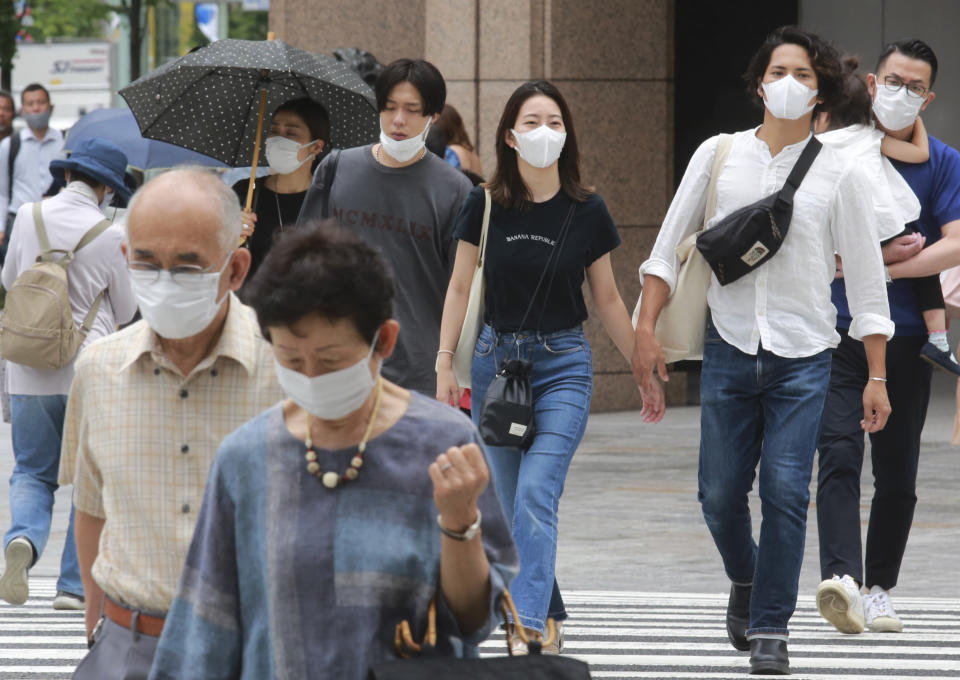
31, 170
99, 264
785, 303
894, 203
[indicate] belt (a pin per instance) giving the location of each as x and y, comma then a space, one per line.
120, 615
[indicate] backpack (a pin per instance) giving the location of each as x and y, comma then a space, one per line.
37, 327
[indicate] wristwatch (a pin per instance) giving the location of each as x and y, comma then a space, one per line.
467, 535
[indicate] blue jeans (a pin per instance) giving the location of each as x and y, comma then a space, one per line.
760, 409
37, 424
530, 483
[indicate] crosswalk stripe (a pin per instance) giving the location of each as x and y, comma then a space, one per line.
672, 636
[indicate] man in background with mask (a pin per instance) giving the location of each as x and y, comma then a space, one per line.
7, 112
97, 277
901, 88
404, 201
25, 180
767, 350
150, 405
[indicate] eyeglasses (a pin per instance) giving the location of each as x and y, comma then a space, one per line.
893, 83
181, 274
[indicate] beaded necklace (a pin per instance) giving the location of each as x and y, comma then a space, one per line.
331, 479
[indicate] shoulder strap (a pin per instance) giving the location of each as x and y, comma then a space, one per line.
330, 171
555, 251
92, 233
41, 229
799, 171
487, 209
14, 150
724, 142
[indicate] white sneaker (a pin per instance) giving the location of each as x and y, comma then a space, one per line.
880, 615
17, 559
65, 601
839, 602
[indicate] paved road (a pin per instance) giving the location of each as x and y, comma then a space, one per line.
620, 634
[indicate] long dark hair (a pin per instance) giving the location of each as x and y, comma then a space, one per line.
451, 123
507, 186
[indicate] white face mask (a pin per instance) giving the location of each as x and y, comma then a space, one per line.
333, 395
403, 150
788, 98
177, 309
541, 147
896, 110
283, 154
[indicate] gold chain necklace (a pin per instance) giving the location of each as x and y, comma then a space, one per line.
331, 479
420, 156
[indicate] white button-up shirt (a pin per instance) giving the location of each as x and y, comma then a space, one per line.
31, 170
784, 305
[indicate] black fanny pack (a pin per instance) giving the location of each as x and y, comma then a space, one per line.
748, 237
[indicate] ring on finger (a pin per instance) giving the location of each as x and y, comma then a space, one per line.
446, 466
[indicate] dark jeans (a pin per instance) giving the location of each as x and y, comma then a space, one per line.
759, 409
894, 452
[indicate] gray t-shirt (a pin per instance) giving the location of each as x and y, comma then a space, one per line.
409, 215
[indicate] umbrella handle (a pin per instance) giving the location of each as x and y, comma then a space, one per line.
256, 155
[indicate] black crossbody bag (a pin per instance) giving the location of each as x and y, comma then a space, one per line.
750, 236
506, 417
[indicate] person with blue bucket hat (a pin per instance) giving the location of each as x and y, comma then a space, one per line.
97, 274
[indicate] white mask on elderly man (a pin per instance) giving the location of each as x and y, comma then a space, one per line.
403, 150
540, 148
283, 154
333, 395
788, 98
177, 308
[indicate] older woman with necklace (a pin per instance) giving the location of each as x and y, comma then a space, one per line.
344, 509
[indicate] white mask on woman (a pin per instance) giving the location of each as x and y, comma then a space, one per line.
788, 98
177, 309
541, 147
333, 395
896, 110
403, 150
283, 154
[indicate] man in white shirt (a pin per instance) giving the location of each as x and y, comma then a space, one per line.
39, 397
37, 145
766, 364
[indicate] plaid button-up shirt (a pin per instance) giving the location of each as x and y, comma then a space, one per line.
138, 441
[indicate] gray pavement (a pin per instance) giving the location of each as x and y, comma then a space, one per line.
629, 518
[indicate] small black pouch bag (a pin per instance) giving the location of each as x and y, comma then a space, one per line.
506, 417
748, 237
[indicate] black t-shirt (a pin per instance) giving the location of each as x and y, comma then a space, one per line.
273, 211
518, 246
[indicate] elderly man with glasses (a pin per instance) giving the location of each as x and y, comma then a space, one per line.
149, 406
855, 591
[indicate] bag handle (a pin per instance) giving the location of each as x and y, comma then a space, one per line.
724, 144
799, 171
406, 646
485, 227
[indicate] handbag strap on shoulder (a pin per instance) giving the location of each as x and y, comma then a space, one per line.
485, 227
799, 171
724, 143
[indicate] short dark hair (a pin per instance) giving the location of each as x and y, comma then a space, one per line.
507, 186
853, 106
913, 48
312, 113
35, 87
80, 176
421, 74
324, 270
5, 94
823, 57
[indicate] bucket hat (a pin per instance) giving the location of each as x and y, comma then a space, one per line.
99, 159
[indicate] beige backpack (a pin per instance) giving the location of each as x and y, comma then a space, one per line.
37, 327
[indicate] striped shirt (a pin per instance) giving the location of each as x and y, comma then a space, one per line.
138, 441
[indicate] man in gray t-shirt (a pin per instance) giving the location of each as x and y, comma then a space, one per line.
403, 200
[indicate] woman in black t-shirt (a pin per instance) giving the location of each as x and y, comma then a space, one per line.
536, 184
299, 132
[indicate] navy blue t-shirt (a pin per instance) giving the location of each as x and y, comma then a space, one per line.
937, 185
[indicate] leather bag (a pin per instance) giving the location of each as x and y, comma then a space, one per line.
752, 235
473, 319
683, 320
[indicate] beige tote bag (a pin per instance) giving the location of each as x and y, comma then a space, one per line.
473, 319
683, 319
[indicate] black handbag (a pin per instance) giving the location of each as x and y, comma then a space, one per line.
506, 416
750, 236
420, 662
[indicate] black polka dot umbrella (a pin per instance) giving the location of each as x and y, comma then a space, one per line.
214, 100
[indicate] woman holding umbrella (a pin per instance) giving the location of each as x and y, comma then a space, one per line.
299, 132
